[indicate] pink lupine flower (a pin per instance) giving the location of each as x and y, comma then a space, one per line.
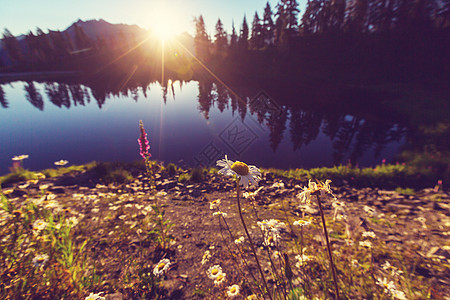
143, 142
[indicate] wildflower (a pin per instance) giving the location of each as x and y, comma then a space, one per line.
220, 278
313, 189
38, 226
239, 240
218, 213
233, 291
20, 157
251, 297
355, 263
366, 244
272, 225
388, 286
278, 184
206, 257
302, 259
61, 162
40, 260
143, 142
398, 294
161, 267
252, 195
246, 174
215, 204
271, 239
93, 296
370, 234
370, 211
301, 223
214, 271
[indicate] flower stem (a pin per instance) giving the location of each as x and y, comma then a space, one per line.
251, 242
329, 248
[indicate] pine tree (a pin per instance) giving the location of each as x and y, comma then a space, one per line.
220, 36
233, 37
268, 26
12, 47
201, 39
256, 39
243, 37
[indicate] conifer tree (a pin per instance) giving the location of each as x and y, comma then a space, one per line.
267, 25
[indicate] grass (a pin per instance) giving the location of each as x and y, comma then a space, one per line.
124, 236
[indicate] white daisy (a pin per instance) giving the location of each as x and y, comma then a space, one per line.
93, 296
239, 240
220, 278
61, 162
161, 267
246, 174
233, 291
40, 260
214, 271
20, 157
370, 234
301, 223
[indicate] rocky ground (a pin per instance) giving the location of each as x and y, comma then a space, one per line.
112, 216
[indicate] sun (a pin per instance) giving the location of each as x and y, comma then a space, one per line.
164, 23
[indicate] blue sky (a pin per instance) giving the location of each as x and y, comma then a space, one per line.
20, 16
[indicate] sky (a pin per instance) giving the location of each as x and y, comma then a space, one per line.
21, 16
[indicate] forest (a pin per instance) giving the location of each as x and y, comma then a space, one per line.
349, 41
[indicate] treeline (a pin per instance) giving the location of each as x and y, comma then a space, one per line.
345, 39
375, 38
128, 51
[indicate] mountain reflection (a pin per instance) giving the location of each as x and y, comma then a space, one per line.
352, 126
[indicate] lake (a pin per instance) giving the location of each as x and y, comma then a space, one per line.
194, 122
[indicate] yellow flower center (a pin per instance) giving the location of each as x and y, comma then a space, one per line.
214, 271
233, 290
161, 266
219, 278
240, 168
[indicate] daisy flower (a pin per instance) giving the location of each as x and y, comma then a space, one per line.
218, 213
20, 157
246, 174
366, 244
301, 223
313, 189
220, 279
233, 291
93, 296
214, 271
61, 162
239, 240
370, 234
214, 204
161, 267
40, 260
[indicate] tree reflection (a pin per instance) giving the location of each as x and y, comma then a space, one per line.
58, 94
304, 127
343, 117
205, 98
33, 96
3, 101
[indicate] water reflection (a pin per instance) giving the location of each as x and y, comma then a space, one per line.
352, 128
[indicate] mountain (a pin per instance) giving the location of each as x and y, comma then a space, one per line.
100, 33
96, 28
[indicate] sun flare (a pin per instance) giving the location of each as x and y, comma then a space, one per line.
164, 23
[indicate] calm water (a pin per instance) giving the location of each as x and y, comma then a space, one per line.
190, 121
